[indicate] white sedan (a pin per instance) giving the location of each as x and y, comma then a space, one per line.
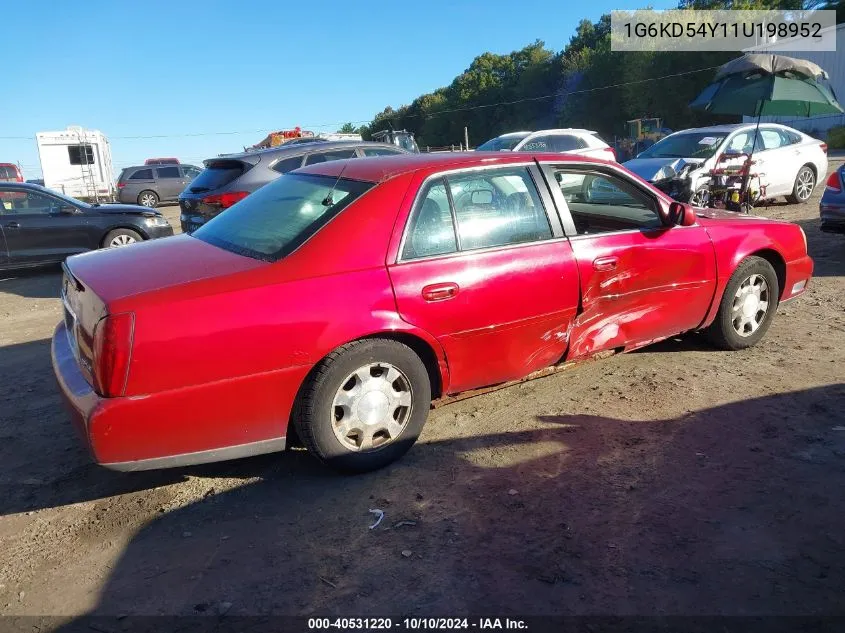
789, 162
564, 140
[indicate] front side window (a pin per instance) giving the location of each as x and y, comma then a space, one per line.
27, 203
601, 203
168, 172
491, 208
279, 217
324, 157
80, 154
142, 174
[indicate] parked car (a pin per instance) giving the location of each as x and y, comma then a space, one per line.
568, 140
39, 226
150, 185
341, 299
9, 172
230, 178
832, 205
790, 162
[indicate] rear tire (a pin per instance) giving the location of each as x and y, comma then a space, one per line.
364, 405
148, 199
747, 307
121, 237
805, 183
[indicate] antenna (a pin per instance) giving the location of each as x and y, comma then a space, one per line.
328, 200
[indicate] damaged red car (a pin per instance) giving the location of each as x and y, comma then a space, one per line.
338, 302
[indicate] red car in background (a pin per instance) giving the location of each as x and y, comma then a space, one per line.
345, 296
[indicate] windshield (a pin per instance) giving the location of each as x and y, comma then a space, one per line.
500, 143
279, 217
406, 141
685, 145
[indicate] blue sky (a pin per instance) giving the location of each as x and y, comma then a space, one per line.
175, 69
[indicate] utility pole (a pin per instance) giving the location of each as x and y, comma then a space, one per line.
466, 138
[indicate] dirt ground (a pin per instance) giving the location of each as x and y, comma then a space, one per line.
674, 480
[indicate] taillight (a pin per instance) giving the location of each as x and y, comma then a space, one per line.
612, 153
824, 147
225, 200
121, 185
834, 183
112, 351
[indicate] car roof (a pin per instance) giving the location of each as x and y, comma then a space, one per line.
153, 166
304, 148
732, 127
565, 130
380, 168
24, 186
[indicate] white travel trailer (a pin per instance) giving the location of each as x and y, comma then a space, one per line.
77, 162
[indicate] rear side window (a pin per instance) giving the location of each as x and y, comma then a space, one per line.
168, 172
218, 173
80, 154
287, 164
279, 217
566, 143
142, 174
379, 151
432, 231
324, 157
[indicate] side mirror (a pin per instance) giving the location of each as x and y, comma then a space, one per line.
681, 214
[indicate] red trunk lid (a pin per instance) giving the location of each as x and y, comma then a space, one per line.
117, 273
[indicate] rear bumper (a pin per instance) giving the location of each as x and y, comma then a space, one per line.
832, 218
206, 423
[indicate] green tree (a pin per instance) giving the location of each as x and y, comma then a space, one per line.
348, 128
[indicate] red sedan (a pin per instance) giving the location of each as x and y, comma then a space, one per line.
345, 297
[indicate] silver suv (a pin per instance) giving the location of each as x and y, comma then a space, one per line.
148, 185
230, 178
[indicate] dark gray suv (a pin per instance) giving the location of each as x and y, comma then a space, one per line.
148, 185
232, 177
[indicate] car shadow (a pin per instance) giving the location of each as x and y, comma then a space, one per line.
826, 249
735, 509
33, 283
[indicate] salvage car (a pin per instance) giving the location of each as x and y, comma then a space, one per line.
832, 204
568, 140
338, 302
39, 226
789, 162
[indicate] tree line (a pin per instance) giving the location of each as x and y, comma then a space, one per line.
584, 85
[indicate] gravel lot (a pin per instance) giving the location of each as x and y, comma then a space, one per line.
674, 480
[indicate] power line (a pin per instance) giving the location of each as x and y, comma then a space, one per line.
427, 115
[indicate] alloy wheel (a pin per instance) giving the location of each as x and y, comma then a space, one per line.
122, 240
804, 186
148, 200
750, 305
372, 407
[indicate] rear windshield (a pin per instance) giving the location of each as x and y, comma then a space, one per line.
279, 217
217, 174
8, 173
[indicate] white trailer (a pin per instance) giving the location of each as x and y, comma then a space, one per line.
77, 162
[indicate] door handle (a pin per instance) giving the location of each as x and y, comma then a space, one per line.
440, 292
12, 225
603, 264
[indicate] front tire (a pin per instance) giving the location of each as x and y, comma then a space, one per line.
805, 182
747, 307
121, 237
364, 405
